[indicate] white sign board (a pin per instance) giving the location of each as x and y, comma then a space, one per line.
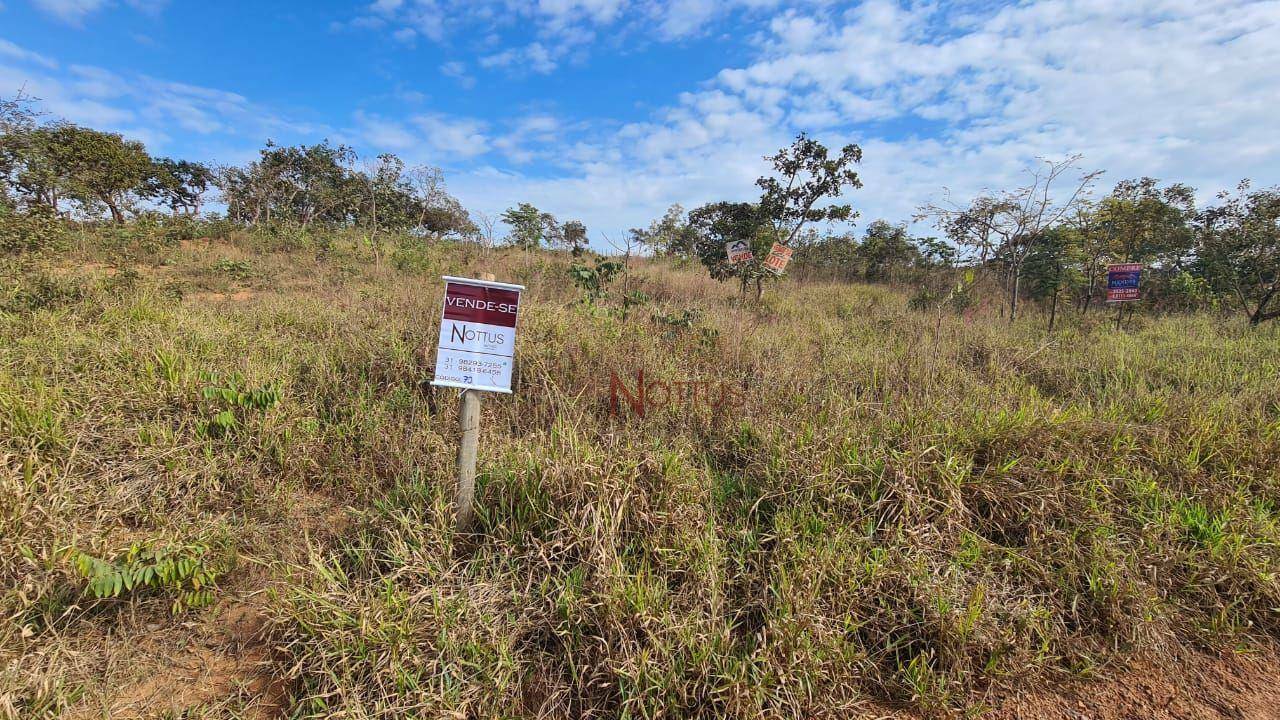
738, 251
477, 334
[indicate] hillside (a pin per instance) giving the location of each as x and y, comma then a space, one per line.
892, 512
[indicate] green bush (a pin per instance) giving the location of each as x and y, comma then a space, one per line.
186, 573
38, 290
414, 256
36, 230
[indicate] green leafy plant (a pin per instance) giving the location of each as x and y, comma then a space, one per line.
238, 270
232, 401
35, 230
594, 281
187, 572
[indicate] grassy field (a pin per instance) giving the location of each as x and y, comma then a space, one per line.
225, 485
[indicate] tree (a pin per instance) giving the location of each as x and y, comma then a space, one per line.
1052, 266
807, 175
1092, 247
886, 251
97, 168
179, 184
527, 225
1239, 250
574, 235
1144, 223
439, 213
1005, 227
669, 235
716, 224
830, 256
18, 119
304, 184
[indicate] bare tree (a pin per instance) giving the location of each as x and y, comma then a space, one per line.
1007, 226
629, 245
487, 226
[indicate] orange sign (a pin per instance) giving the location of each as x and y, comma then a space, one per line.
779, 256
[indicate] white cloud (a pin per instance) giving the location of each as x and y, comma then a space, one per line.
534, 57
70, 11
13, 52
457, 70
1169, 88
140, 106
453, 136
547, 30
963, 98
385, 134
73, 12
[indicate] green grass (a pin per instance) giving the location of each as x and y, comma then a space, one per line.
910, 510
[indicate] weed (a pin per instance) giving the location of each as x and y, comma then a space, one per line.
186, 573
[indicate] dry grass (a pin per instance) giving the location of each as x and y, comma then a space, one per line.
910, 509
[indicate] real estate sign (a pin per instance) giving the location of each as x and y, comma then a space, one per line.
779, 256
477, 334
1122, 282
738, 251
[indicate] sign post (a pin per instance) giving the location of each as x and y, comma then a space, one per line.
1122, 286
779, 257
475, 353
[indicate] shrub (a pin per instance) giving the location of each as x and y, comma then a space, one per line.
186, 573
36, 230
232, 401
594, 281
413, 256
39, 290
1188, 292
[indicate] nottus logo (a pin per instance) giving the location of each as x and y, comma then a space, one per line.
650, 394
467, 334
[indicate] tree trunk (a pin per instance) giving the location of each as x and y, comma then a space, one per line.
1053, 309
1259, 316
1013, 296
759, 288
116, 216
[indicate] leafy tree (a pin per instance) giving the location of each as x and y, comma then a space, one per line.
179, 184
1239, 250
1092, 250
574, 235
831, 256
936, 253
18, 119
322, 184
528, 225
716, 224
98, 167
303, 184
886, 251
1144, 223
669, 235
806, 175
1052, 266
439, 213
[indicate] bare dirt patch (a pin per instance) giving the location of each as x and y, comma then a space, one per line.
230, 667
1197, 686
210, 297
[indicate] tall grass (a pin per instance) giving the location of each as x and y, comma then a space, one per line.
909, 509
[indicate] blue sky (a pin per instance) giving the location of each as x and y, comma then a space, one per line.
611, 110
